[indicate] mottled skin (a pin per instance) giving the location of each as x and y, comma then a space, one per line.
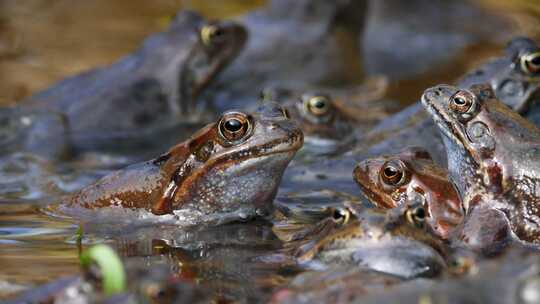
512, 76
412, 177
234, 163
493, 154
393, 243
149, 90
295, 43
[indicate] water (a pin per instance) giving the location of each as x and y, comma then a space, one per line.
36, 247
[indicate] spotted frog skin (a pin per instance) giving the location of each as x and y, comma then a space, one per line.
493, 154
153, 88
389, 242
412, 177
514, 77
233, 164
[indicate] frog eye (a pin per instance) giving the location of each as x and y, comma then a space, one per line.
530, 63
341, 215
234, 126
286, 113
318, 105
460, 265
461, 102
211, 34
416, 216
154, 291
393, 173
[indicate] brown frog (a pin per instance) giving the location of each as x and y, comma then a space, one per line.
326, 125
493, 156
393, 242
514, 77
231, 166
412, 177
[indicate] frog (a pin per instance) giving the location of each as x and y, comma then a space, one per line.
493, 155
151, 90
227, 171
294, 44
412, 177
388, 241
512, 77
327, 127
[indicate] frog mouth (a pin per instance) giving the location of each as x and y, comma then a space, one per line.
292, 143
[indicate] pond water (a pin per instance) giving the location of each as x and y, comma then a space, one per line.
43, 41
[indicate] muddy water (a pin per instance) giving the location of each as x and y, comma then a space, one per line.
42, 41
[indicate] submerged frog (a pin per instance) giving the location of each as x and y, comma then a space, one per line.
229, 169
295, 43
493, 154
148, 91
395, 242
412, 177
327, 128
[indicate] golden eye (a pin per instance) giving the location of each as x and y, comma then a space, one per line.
154, 291
286, 113
460, 265
318, 105
211, 33
416, 216
461, 102
341, 215
393, 173
234, 126
530, 63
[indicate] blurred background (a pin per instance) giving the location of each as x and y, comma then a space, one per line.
43, 41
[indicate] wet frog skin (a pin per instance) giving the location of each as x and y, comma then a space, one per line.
493, 154
154, 87
514, 76
391, 243
412, 177
327, 128
229, 166
294, 43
